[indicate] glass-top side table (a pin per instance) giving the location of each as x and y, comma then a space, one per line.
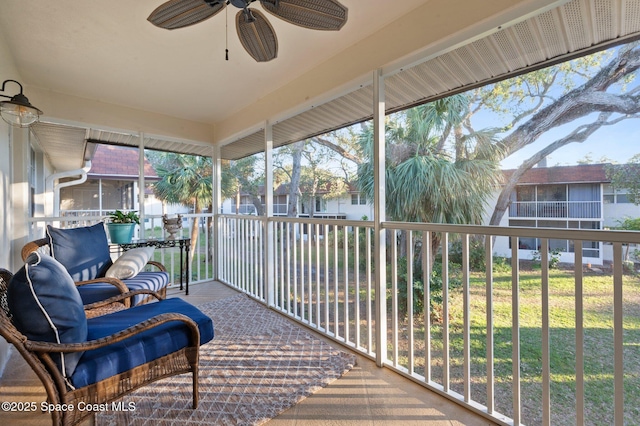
183, 243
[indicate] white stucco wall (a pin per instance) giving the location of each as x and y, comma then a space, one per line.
352, 211
7, 71
613, 213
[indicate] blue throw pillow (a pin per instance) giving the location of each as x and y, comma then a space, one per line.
84, 252
46, 307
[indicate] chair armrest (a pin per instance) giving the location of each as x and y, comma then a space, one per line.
106, 280
158, 265
122, 297
32, 246
48, 347
121, 286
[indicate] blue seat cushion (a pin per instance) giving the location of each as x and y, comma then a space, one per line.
83, 251
46, 307
143, 281
99, 364
97, 292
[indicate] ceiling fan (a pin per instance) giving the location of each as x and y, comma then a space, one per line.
254, 30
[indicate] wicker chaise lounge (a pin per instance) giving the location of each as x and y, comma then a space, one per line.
97, 360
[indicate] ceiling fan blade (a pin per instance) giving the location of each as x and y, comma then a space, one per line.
314, 14
183, 13
256, 35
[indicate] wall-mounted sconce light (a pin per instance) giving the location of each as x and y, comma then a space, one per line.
18, 111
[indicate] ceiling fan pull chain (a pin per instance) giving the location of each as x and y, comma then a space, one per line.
226, 34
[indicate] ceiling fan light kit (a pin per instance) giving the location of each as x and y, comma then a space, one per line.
254, 30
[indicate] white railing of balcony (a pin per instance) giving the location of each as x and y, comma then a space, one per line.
460, 352
556, 209
241, 253
201, 268
322, 272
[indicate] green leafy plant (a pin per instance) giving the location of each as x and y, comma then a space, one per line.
554, 258
435, 293
476, 254
119, 216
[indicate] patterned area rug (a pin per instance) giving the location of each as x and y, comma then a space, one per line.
257, 366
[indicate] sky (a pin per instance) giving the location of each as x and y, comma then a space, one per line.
618, 143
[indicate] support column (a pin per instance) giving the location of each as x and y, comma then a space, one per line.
269, 234
379, 216
141, 183
216, 205
18, 192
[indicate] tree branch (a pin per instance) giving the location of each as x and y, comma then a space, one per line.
338, 149
578, 135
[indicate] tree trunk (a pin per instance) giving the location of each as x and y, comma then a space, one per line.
586, 99
292, 208
195, 225
257, 203
578, 103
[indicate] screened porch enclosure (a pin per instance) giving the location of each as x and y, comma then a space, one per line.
514, 341
507, 339
511, 342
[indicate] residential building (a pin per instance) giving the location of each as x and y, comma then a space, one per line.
110, 183
565, 197
352, 205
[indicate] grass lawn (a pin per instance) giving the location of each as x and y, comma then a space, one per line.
598, 348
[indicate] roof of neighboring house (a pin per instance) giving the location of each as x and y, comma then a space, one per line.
581, 173
119, 162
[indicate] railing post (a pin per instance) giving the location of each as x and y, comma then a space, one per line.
269, 234
379, 200
618, 337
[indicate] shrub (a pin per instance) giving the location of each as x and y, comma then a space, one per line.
435, 293
476, 254
554, 258
501, 264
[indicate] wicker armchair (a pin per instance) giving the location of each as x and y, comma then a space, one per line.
98, 308
38, 355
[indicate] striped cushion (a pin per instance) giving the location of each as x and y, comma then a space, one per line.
144, 280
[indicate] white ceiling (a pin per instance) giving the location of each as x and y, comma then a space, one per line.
108, 51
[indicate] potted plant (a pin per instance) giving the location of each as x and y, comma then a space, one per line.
121, 226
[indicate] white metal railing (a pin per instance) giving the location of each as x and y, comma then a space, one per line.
201, 267
556, 209
475, 342
240, 253
322, 271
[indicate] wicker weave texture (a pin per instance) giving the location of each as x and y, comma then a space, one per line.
183, 13
257, 35
36, 354
327, 15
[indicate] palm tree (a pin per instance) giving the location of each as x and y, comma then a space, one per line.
187, 180
436, 172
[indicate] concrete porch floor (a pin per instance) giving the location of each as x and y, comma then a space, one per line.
366, 395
